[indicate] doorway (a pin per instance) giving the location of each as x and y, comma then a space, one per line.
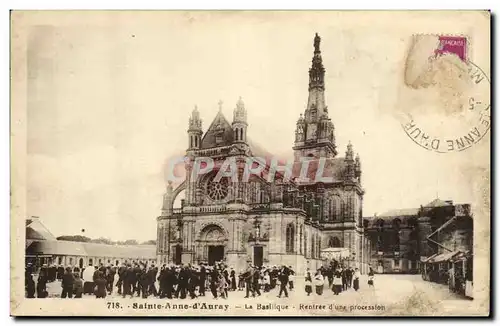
178, 254
258, 255
215, 254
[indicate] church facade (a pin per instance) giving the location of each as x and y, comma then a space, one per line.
287, 219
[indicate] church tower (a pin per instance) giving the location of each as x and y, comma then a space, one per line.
194, 131
314, 135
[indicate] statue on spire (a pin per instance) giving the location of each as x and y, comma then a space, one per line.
317, 40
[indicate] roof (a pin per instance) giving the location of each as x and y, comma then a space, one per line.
35, 230
398, 212
333, 168
73, 248
439, 203
219, 126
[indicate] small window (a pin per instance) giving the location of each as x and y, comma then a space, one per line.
71, 261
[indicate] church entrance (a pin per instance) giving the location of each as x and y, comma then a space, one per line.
211, 247
258, 256
215, 254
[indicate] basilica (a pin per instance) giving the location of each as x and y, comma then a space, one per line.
286, 221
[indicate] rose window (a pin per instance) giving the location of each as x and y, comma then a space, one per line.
218, 190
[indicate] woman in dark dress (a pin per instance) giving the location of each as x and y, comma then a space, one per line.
41, 285
233, 280
29, 284
100, 286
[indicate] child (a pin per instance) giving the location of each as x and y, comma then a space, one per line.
267, 282
308, 287
371, 275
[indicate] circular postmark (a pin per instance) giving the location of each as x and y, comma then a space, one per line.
445, 130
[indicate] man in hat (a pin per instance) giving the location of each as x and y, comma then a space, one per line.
248, 277
283, 277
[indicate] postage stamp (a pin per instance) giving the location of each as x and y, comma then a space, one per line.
459, 115
453, 44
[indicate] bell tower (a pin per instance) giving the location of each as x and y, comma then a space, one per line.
314, 135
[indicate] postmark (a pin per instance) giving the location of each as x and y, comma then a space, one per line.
454, 113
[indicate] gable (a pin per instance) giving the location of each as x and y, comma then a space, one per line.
220, 133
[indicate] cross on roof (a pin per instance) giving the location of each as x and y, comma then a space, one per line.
220, 105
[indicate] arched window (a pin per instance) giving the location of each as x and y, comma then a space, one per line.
334, 242
330, 210
290, 238
236, 134
336, 208
241, 134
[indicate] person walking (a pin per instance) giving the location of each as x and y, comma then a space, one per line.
371, 276
283, 277
337, 282
308, 283
319, 282
356, 277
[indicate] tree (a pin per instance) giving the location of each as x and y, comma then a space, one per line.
149, 242
131, 242
103, 240
77, 238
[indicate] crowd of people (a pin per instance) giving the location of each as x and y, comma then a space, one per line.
186, 281
339, 279
168, 281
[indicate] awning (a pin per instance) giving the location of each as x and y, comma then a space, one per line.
443, 257
461, 256
426, 259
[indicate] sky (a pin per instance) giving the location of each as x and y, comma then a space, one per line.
109, 97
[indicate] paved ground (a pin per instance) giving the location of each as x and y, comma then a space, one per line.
392, 294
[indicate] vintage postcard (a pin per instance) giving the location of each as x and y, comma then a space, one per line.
250, 163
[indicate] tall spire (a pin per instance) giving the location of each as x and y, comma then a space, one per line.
317, 71
315, 133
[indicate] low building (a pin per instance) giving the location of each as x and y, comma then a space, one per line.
402, 239
43, 248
